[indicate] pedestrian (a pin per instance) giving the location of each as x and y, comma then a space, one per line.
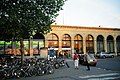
64, 58
86, 61
60, 54
76, 60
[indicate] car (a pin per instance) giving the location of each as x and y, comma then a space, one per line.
105, 55
92, 61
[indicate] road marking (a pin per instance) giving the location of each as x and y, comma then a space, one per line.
100, 75
108, 78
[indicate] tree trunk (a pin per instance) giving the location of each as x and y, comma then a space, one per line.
4, 46
22, 51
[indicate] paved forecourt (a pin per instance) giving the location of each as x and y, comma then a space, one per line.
71, 73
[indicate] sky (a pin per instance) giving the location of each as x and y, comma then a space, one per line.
90, 13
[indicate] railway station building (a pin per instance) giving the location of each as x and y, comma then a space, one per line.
70, 39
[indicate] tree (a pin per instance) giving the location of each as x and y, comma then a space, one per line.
19, 19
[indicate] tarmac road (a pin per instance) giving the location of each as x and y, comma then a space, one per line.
65, 73
112, 64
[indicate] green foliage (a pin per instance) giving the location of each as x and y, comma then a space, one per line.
22, 18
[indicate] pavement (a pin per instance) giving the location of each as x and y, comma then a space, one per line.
65, 73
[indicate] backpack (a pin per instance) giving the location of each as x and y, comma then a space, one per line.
75, 57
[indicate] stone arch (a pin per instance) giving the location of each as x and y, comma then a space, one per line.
53, 40
66, 41
89, 43
66, 45
118, 44
100, 43
110, 43
78, 43
38, 36
37, 43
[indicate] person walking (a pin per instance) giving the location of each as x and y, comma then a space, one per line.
64, 58
76, 60
86, 61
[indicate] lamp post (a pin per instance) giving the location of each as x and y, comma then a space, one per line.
38, 47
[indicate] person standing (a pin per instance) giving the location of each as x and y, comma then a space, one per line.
86, 61
76, 60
